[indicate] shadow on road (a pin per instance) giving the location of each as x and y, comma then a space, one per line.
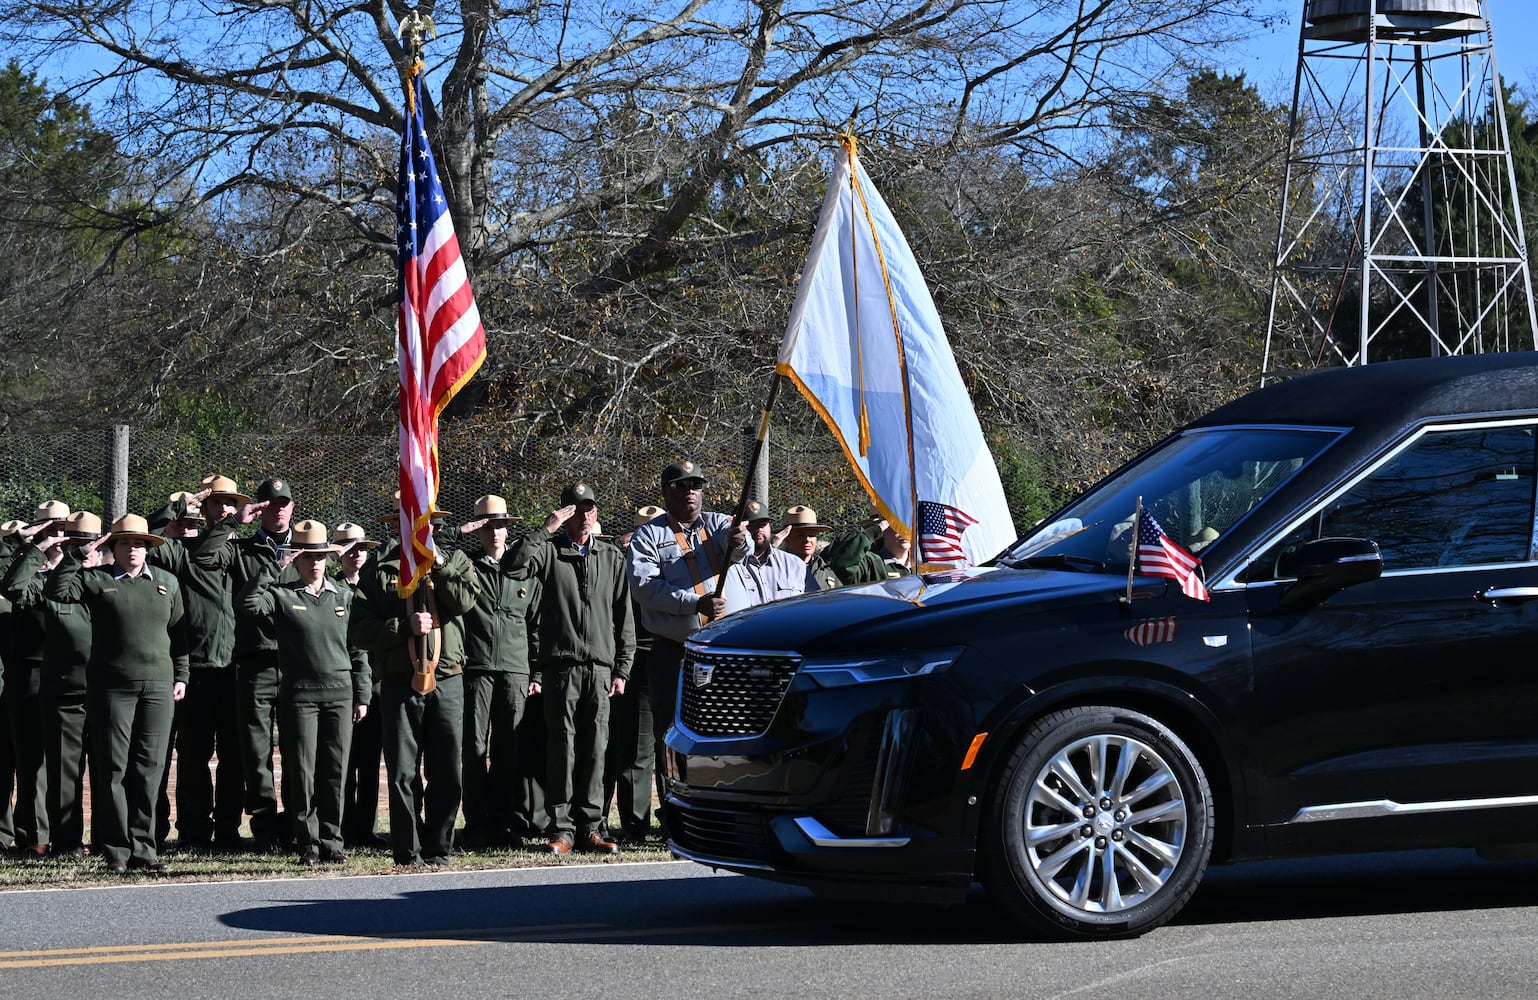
748, 912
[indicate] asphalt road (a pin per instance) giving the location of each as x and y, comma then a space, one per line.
1442, 924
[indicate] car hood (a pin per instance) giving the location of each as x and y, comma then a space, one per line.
905, 611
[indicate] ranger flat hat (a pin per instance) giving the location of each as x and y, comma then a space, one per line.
82, 526
225, 487
683, 469
194, 505
10, 528
274, 489
348, 535
133, 528
490, 510
578, 493
647, 514
50, 510
310, 536
804, 517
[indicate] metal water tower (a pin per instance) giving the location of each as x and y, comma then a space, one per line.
1400, 231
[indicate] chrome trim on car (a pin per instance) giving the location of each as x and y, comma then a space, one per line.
823, 837
1388, 807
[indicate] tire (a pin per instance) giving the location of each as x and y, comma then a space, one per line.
1058, 861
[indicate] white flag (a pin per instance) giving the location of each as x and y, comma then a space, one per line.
866, 348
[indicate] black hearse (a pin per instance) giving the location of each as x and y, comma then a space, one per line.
1085, 742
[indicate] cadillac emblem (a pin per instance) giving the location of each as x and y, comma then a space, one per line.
700, 673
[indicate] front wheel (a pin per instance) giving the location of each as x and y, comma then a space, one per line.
1100, 827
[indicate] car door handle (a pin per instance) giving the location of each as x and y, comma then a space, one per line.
1508, 594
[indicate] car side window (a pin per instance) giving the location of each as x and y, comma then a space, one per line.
1453, 498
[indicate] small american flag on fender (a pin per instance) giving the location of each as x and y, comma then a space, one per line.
1153, 630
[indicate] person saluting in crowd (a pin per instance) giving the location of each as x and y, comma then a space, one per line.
324, 687
137, 672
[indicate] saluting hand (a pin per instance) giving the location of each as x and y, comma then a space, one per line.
558, 517
251, 511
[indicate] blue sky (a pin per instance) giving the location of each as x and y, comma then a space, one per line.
1270, 59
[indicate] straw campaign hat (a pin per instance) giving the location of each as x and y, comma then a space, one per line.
348, 535
225, 487
10, 528
310, 536
802, 516
648, 514
50, 510
133, 528
82, 526
490, 511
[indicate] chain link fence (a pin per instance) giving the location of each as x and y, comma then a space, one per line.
337, 478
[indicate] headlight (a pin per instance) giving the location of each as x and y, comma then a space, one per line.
844, 671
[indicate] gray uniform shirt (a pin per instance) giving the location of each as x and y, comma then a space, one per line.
759, 579
662, 575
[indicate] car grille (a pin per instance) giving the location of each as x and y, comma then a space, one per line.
728, 836
733, 692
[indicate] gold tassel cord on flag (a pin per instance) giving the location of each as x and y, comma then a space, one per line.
850, 145
902, 362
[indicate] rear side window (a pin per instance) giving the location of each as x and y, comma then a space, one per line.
1459, 497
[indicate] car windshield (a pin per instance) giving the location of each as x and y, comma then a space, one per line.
1197, 486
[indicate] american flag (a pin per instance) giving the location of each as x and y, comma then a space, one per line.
1152, 630
1158, 555
441, 341
940, 534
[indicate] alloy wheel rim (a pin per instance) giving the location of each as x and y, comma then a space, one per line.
1105, 825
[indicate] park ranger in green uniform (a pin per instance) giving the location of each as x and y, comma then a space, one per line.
426, 726
586, 647
324, 690
498, 632
23, 676
136, 673
66, 650
207, 726
256, 659
802, 529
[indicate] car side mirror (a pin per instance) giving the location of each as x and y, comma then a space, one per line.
1326, 566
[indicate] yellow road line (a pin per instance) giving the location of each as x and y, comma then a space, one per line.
184, 950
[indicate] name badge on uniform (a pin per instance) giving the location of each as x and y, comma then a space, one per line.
109, 590
340, 611
298, 607
162, 589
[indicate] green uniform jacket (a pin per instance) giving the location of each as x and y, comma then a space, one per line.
138, 626
378, 617
22, 585
312, 638
504, 624
856, 556
66, 641
585, 615
823, 573
219, 553
204, 573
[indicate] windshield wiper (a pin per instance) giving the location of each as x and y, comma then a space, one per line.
1062, 560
